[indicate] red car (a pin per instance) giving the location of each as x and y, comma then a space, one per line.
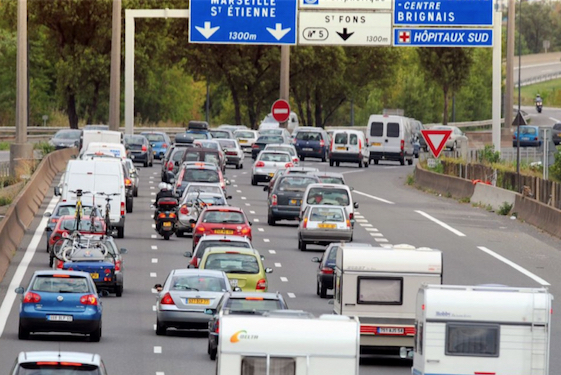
222, 220
67, 224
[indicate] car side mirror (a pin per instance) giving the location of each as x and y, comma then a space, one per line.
123, 250
262, 257
268, 270
250, 223
228, 197
227, 181
47, 214
188, 254
19, 290
158, 287
237, 289
355, 205
266, 188
57, 191
316, 260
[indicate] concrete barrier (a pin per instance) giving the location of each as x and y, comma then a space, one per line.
493, 196
443, 184
538, 214
26, 204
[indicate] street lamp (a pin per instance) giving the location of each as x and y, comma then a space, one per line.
519, 114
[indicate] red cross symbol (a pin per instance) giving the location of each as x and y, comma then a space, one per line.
404, 36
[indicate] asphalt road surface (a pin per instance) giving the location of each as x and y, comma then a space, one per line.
479, 247
537, 65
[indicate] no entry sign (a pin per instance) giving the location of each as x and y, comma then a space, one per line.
280, 110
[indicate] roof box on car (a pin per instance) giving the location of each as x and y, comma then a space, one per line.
198, 125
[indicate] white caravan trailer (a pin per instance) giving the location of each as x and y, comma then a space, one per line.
482, 330
288, 342
379, 286
105, 136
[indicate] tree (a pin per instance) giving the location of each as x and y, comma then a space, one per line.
535, 24
447, 67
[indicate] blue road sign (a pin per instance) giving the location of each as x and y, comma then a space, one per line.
419, 37
443, 13
243, 21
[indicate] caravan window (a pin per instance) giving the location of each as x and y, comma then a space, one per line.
278, 366
477, 340
376, 129
393, 130
380, 290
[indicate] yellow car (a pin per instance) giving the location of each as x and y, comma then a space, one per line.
244, 267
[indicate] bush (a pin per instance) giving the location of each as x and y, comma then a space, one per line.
489, 156
555, 169
505, 208
44, 147
410, 179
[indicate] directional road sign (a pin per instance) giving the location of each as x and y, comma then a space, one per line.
280, 110
344, 28
443, 13
421, 37
243, 21
344, 5
436, 140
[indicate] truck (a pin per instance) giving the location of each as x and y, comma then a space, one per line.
288, 342
105, 136
379, 286
488, 329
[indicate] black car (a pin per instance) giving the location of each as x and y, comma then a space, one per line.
311, 142
139, 149
324, 280
66, 138
241, 303
171, 161
285, 198
557, 133
263, 141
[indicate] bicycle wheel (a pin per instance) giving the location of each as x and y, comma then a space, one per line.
59, 246
67, 252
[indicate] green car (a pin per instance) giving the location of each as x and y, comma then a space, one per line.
244, 267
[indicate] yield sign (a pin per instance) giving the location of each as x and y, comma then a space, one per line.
280, 110
436, 140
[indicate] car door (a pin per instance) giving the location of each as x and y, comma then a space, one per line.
393, 137
340, 142
376, 136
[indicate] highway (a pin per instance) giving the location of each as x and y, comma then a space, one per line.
537, 65
479, 247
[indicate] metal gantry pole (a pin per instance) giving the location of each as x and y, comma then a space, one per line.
115, 81
285, 76
509, 83
519, 115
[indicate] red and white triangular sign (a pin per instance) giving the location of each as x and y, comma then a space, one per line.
436, 140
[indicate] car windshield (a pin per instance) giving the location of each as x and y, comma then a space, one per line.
198, 283
331, 180
134, 140
270, 139
223, 217
66, 134
232, 263
290, 150
71, 210
155, 137
323, 214
56, 368
220, 134
60, 284
321, 195
308, 136
270, 119
200, 175
295, 183
274, 157
251, 304
213, 145
208, 200
178, 155
242, 134
85, 225
204, 188
227, 143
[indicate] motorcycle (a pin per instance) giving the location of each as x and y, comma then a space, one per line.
539, 105
166, 217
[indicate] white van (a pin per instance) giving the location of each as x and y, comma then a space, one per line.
97, 176
348, 146
379, 286
107, 136
330, 194
270, 123
482, 330
117, 149
390, 138
288, 342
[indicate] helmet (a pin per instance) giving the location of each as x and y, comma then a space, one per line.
537, 95
169, 186
163, 186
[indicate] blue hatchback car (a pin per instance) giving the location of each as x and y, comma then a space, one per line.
529, 136
60, 301
160, 142
311, 142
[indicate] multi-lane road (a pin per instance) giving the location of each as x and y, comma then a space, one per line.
479, 247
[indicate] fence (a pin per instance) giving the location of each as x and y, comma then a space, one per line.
528, 155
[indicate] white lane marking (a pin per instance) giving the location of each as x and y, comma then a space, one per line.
153, 307
151, 182
536, 65
235, 185
380, 240
153, 236
376, 234
373, 197
238, 191
359, 216
153, 290
554, 119
291, 295
442, 224
153, 274
152, 193
278, 265
243, 198
152, 187
151, 217
233, 180
153, 226
371, 229
159, 372
235, 176
244, 172
157, 349
365, 225
154, 260
154, 330
357, 213
272, 252
155, 173
386, 245
266, 240
10, 297
252, 212
247, 204
151, 177
154, 247
521, 269
284, 279
361, 221
261, 229
256, 220
347, 172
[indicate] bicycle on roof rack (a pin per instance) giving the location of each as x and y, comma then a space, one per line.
79, 208
64, 248
106, 217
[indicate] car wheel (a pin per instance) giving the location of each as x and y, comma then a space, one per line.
121, 232
324, 157
135, 192
301, 245
95, 336
23, 334
331, 163
366, 164
237, 166
145, 164
166, 236
360, 164
337, 163
241, 166
129, 205
179, 233
376, 161
253, 181
302, 158
212, 353
271, 220
160, 329
410, 161
317, 288
119, 291
322, 291
402, 161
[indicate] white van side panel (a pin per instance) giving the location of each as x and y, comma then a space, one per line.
105, 136
117, 149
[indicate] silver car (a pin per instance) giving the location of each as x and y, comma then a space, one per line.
57, 362
246, 138
266, 164
283, 147
323, 224
133, 175
188, 297
191, 207
233, 152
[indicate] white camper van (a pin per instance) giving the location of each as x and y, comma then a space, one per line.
482, 330
390, 138
379, 286
288, 342
106, 136
117, 149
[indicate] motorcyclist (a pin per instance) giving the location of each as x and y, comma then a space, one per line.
166, 191
538, 99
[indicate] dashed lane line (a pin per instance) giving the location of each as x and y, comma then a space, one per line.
361, 221
376, 234
283, 279
278, 265
153, 307
153, 236
291, 295
154, 247
272, 252
152, 193
371, 229
252, 212
157, 350
243, 198
380, 240
365, 225
373, 197
238, 191
441, 223
154, 260
256, 220
261, 229
153, 226
153, 274
266, 240
247, 204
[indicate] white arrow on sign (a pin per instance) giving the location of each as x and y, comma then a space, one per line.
278, 32
207, 31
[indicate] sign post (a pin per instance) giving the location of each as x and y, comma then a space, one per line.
280, 110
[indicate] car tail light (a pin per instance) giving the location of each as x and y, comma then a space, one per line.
305, 223
348, 223
65, 364
117, 265
201, 229
31, 297
180, 178
535, 138
56, 238
165, 145
261, 285
162, 215
122, 208
274, 200
170, 166
295, 160
184, 210
327, 271
54, 220
351, 216
128, 182
167, 300
245, 230
107, 271
172, 215
402, 145
231, 153
367, 141
331, 145
144, 148
359, 144
254, 146
259, 164
88, 299
217, 326
322, 143
289, 165
59, 264
513, 137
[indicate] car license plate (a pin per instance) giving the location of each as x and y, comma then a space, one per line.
307, 149
94, 276
154, 152
296, 201
223, 231
242, 140
525, 138
167, 223
198, 301
391, 331
60, 318
271, 174
233, 283
376, 144
327, 226
340, 148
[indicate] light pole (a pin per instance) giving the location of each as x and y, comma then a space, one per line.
519, 114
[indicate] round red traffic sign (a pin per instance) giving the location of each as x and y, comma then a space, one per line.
280, 110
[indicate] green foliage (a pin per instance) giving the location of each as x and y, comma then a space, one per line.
7, 181
4, 201
505, 208
555, 168
549, 91
4, 146
489, 155
44, 147
410, 179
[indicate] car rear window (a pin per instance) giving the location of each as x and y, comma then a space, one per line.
223, 217
200, 175
309, 136
354, 139
232, 263
208, 200
85, 225
321, 195
290, 150
274, 157
227, 143
269, 139
393, 130
71, 210
245, 135
252, 304
528, 131
376, 129
67, 134
331, 180
295, 183
341, 138
219, 134
155, 137
70, 284
56, 368
178, 155
206, 188
323, 214
211, 157
198, 283
557, 126
214, 243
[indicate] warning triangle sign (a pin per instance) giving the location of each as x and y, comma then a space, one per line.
436, 140
519, 120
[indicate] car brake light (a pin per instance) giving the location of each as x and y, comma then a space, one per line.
273, 200
201, 229
513, 137
261, 285
359, 144
107, 271
172, 215
351, 216
88, 299
62, 276
165, 145
144, 148
54, 220
255, 146
184, 210
167, 300
31, 297
245, 230
327, 270
117, 265
162, 215
295, 160
170, 166
348, 223
402, 145
217, 326
231, 153
322, 143
305, 223
56, 238
289, 165
259, 164
232, 252
59, 264
122, 208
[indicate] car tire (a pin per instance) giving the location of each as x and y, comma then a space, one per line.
360, 164
317, 288
324, 157
337, 163
119, 291
366, 164
166, 236
241, 166
179, 233
23, 334
120, 232
302, 158
301, 245
376, 161
95, 336
129, 205
212, 352
322, 291
253, 181
237, 166
331, 163
402, 161
271, 220
145, 164
135, 192
160, 328
410, 161
152, 162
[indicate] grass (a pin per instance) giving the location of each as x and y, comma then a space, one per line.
4, 146
550, 92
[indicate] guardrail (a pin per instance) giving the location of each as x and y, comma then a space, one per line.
538, 79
